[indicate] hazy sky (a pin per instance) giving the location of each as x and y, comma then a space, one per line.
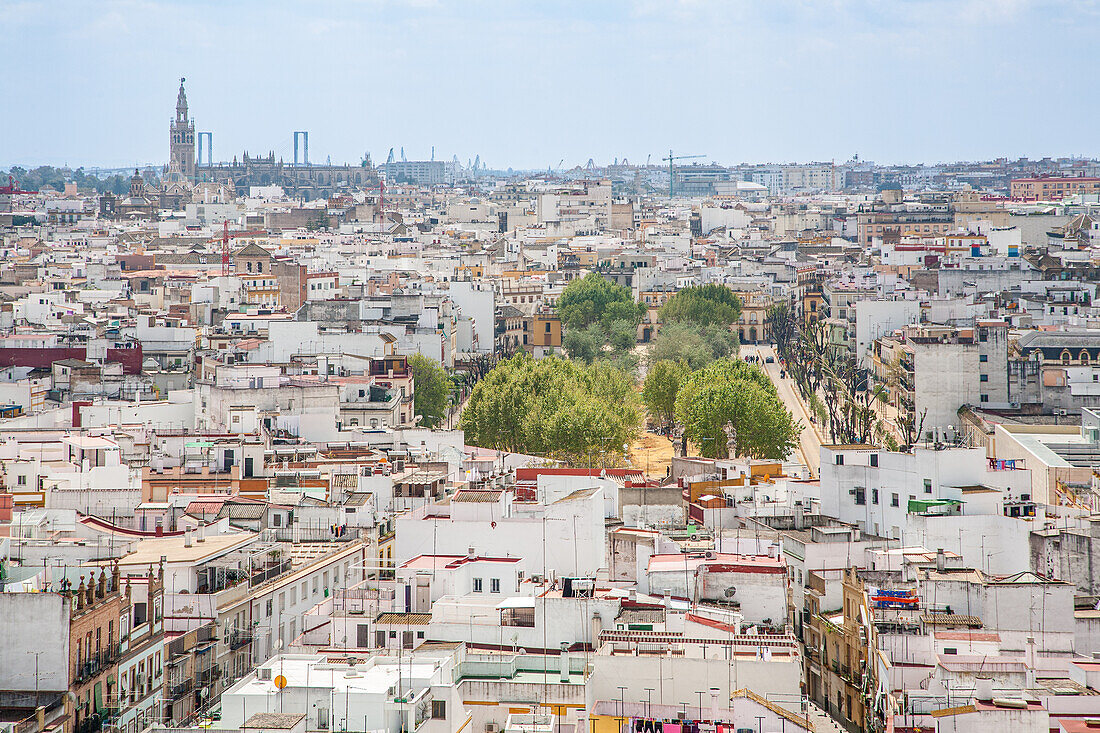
526, 83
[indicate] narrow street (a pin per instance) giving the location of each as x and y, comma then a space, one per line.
809, 443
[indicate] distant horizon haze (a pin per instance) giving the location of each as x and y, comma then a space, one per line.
526, 85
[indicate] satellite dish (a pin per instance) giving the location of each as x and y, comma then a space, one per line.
731, 591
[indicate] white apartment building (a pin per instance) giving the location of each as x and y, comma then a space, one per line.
938, 369
381, 694
566, 536
880, 491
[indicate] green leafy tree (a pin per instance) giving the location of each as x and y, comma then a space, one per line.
694, 345
553, 407
46, 176
662, 383
584, 344
702, 305
431, 388
622, 335
592, 298
741, 395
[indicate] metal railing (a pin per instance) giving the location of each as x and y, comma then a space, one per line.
239, 639
180, 689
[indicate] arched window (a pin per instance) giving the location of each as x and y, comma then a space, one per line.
1066, 356
1084, 357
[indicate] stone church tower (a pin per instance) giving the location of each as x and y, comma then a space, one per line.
182, 147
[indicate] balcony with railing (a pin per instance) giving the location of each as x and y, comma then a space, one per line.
363, 600
208, 676
179, 689
94, 664
239, 639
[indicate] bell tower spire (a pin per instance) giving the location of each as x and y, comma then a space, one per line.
181, 150
181, 103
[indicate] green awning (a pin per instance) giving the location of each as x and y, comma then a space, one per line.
919, 506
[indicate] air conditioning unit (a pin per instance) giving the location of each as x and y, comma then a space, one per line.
263, 673
492, 727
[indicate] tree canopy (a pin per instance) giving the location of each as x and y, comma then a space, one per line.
593, 298
692, 344
44, 176
782, 326
662, 382
742, 395
703, 305
553, 407
835, 386
431, 387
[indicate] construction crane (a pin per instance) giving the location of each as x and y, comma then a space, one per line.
13, 188
672, 158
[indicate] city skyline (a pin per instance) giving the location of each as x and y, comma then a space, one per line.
526, 87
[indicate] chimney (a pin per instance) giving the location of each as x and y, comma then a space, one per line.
799, 515
714, 703
983, 689
941, 560
564, 659
773, 550
187, 537
667, 602
471, 553
1030, 661
200, 533
40, 717
597, 628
